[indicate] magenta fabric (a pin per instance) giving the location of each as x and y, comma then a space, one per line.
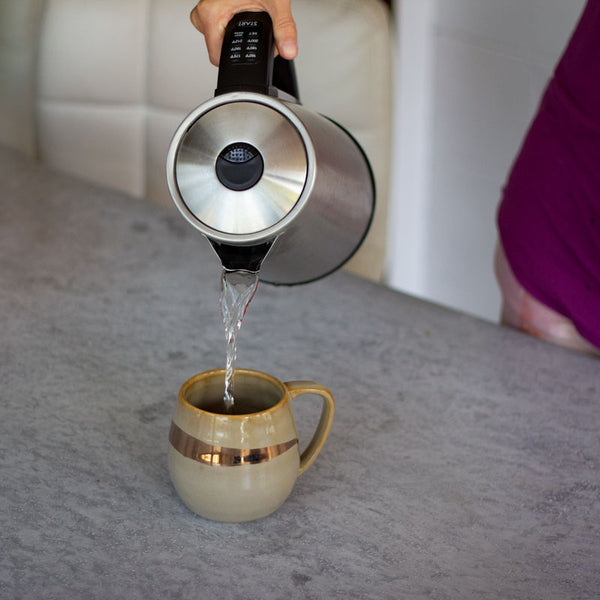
549, 216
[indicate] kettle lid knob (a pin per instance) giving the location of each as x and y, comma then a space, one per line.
239, 166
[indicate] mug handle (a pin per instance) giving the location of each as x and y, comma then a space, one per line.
298, 388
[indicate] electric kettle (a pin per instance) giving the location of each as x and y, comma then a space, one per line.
273, 186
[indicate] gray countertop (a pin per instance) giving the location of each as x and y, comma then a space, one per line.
463, 462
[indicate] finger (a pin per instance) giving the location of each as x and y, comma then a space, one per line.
285, 40
284, 31
195, 19
214, 41
213, 30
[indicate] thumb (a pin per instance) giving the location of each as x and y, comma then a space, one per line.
284, 31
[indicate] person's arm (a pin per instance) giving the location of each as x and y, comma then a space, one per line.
210, 17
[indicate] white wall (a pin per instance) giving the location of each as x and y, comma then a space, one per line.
469, 76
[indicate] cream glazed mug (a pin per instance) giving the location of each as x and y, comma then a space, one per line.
240, 466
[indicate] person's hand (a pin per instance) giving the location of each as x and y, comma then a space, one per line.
211, 17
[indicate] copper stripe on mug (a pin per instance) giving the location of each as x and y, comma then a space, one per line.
196, 449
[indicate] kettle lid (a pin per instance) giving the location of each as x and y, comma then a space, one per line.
238, 165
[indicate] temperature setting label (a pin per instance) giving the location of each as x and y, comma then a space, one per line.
245, 41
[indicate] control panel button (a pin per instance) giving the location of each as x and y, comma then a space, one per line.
245, 40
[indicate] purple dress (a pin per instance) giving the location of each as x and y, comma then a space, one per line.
549, 217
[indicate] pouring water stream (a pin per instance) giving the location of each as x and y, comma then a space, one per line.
237, 290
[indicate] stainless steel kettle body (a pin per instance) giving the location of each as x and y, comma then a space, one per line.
263, 178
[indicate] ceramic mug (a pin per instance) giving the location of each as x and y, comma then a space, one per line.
240, 466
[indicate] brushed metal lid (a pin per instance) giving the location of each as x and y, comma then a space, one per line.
237, 166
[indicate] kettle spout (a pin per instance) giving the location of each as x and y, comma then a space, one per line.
246, 258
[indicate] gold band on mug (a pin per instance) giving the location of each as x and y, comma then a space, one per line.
208, 454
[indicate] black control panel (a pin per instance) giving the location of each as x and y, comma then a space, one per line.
247, 54
245, 41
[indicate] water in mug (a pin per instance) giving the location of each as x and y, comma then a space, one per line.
237, 290
247, 401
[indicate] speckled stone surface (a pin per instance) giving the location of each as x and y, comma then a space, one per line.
464, 459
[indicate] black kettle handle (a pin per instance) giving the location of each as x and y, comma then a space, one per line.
247, 59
